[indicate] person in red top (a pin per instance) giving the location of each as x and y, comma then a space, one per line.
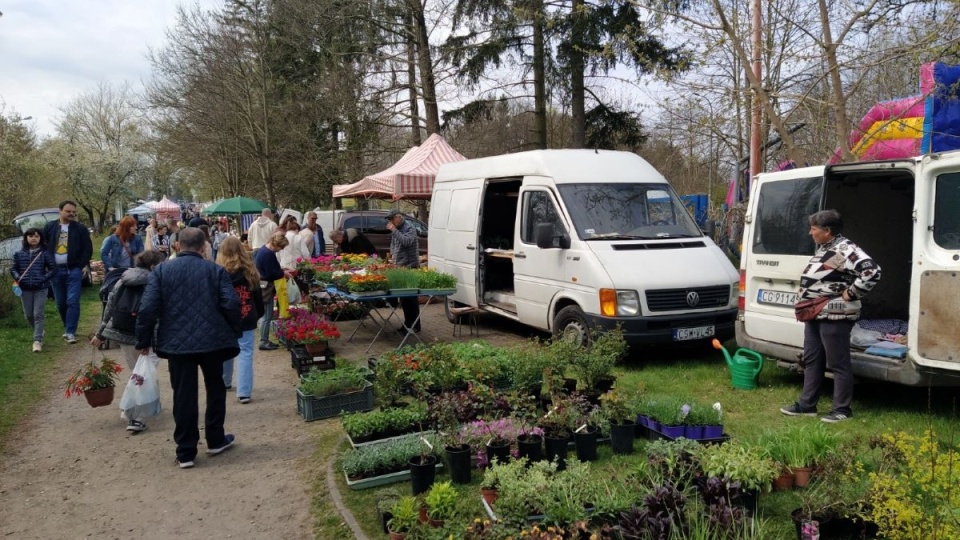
236, 260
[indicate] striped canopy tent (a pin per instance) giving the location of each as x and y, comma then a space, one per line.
165, 208
410, 178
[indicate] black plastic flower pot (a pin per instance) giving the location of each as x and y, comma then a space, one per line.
622, 437
422, 474
531, 447
458, 458
498, 452
557, 448
586, 443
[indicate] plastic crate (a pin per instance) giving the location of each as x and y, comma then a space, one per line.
314, 408
302, 361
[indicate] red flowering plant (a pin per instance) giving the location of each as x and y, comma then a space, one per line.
306, 327
93, 376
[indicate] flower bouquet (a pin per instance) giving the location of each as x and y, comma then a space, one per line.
96, 381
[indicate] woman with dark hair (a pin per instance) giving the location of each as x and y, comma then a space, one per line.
120, 248
33, 268
838, 275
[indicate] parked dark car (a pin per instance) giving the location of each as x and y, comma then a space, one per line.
373, 224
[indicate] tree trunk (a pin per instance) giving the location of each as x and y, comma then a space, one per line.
577, 109
539, 80
836, 85
427, 85
412, 87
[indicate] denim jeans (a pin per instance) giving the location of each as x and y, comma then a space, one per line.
34, 303
268, 297
66, 291
244, 365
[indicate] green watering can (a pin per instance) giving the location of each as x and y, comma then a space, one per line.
745, 366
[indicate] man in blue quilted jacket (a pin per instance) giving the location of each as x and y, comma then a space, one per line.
199, 322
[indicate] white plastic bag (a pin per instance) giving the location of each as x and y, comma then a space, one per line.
293, 292
141, 398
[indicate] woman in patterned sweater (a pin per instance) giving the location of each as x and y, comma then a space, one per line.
844, 273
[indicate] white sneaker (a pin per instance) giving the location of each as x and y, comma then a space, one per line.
71, 338
37, 346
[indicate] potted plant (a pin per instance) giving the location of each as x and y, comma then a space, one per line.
367, 284
402, 280
95, 380
406, 517
441, 503
525, 412
594, 364
322, 394
675, 461
490, 484
558, 425
525, 367
737, 462
306, 328
618, 409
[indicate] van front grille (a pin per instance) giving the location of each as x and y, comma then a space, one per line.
662, 245
686, 299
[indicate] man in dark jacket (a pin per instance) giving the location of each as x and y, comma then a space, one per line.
352, 241
403, 250
268, 266
199, 322
69, 243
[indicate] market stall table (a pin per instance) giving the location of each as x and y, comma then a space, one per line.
375, 301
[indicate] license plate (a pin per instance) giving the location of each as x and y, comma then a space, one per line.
700, 332
778, 298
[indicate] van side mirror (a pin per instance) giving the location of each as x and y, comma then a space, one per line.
544, 234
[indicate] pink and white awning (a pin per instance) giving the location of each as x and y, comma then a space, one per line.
411, 177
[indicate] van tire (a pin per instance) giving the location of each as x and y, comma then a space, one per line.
571, 323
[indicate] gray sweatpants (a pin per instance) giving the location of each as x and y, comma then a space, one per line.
827, 344
34, 303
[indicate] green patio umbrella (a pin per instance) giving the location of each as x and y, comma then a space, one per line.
234, 206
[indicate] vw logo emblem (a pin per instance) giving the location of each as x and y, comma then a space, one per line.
693, 298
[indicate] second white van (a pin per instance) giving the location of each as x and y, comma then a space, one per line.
566, 240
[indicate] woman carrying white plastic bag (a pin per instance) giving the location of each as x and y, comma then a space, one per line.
119, 320
141, 399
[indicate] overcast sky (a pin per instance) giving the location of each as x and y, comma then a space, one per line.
52, 51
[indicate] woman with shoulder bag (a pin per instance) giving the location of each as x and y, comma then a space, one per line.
119, 249
32, 270
838, 275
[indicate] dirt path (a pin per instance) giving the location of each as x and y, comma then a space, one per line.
74, 471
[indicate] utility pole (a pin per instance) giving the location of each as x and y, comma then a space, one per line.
755, 164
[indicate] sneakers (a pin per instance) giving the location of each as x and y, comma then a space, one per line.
268, 346
835, 417
70, 338
37, 346
185, 464
795, 410
227, 443
136, 426
244, 399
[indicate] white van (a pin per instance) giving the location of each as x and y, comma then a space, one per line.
563, 240
905, 214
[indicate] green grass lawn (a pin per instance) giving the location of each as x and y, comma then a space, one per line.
25, 376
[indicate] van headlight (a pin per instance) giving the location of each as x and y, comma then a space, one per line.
617, 302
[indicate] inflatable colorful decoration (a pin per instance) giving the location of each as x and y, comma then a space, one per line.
919, 124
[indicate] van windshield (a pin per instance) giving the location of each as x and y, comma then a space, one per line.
627, 211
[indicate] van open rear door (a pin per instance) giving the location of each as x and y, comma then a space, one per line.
776, 247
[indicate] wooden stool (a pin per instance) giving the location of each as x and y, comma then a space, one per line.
471, 314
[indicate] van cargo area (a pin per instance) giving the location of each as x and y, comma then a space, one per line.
496, 245
889, 209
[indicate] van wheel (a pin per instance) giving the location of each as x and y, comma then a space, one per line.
447, 305
571, 324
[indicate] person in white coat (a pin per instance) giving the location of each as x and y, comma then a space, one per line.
261, 229
296, 247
